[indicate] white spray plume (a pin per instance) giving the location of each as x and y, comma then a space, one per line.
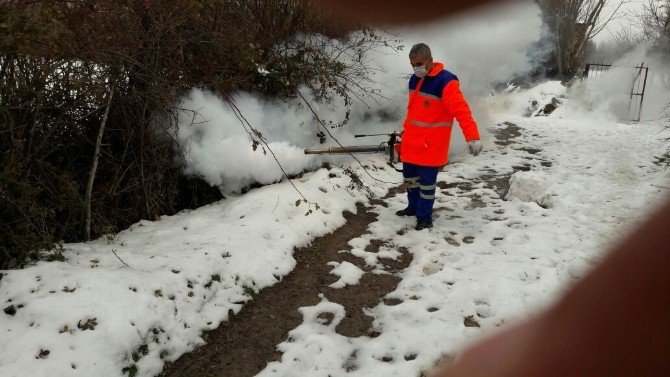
482, 48
657, 90
609, 92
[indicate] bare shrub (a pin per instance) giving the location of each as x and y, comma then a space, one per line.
59, 61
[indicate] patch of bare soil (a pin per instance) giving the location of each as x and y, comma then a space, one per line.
506, 135
550, 107
244, 344
663, 160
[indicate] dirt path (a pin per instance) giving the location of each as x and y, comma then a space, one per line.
245, 344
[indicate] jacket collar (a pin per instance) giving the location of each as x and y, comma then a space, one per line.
437, 68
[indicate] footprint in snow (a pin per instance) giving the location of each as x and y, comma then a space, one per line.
530, 276
517, 225
451, 241
432, 268
483, 309
497, 241
454, 257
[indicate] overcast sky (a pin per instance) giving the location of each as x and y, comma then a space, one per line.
620, 21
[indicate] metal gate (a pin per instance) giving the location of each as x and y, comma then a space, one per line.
638, 84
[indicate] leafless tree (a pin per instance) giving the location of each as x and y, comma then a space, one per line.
573, 24
655, 23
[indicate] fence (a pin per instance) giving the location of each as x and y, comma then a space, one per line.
638, 84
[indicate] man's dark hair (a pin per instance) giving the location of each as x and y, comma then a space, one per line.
420, 49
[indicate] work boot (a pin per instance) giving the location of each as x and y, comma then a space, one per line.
405, 212
421, 224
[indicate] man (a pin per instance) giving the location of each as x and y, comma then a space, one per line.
638, 267
435, 99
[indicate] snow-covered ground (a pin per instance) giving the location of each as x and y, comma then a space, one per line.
489, 261
577, 182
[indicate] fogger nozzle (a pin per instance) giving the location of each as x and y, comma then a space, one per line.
345, 150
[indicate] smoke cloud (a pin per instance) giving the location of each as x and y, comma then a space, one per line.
609, 92
483, 48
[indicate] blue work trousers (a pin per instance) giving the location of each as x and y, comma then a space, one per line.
420, 181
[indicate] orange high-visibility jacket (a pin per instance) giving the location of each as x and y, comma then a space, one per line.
434, 102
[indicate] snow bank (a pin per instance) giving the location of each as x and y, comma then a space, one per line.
530, 102
604, 97
530, 187
93, 316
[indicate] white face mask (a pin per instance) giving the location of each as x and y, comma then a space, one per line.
420, 72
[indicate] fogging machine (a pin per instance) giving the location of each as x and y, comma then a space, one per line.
392, 147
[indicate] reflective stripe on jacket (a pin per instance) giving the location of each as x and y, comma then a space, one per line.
434, 102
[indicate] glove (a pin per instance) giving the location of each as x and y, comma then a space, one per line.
475, 147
